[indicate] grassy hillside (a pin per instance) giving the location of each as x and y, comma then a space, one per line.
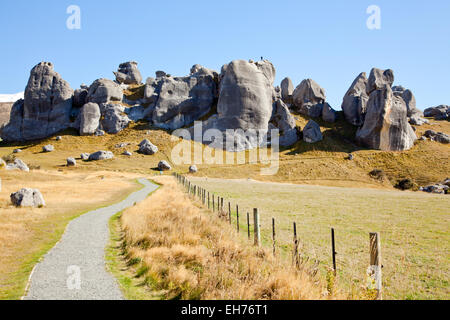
414, 227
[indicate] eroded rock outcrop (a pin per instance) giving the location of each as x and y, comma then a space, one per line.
27, 197
46, 108
104, 91
285, 123
312, 133
309, 98
355, 101
128, 73
89, 119
287, 89
441, 112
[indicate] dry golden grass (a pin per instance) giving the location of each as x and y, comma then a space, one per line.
182, 251
26, 233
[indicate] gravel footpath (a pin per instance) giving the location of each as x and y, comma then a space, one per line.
81, 251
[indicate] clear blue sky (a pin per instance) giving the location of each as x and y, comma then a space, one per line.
327, 41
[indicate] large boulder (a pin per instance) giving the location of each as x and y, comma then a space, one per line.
312, 133
17, 165
328, 113
193, 169
415, 115
104, 91
355, 101
441, 112
287, 89
181, 100
309, 98
379, 79
89, 118
80, 96
386, 124
128, 73
245, 104
27, 197
437, 136
101, 155
46, 108
283, 120
164, 166
114, 118
147, 148
48, 148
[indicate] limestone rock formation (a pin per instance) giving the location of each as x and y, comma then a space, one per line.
46, 108
114, 118
312, 133
287, 89
415, 115
386, 124
328, 113
164, 166
437, 136
147, 148
308, 98
17, 165
378, 79
89, 118
85, 156
48, 148
71, 162
285, 123
128, 73
193, 169
355, 101
104, 91
27, 197
180, 101
101, 155
441, 112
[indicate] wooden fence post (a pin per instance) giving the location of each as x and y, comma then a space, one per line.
375, 262
295, 250
333, 251
214, 205
248, 225
208, 201
273, 237
257, 230
237, 218
229, 211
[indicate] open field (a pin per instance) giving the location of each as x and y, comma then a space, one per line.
414, 227
178, 250
28, 233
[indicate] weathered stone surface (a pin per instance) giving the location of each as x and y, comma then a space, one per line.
114, 118
17, 165
441, 112
182, 100
71, 162
417, 120
164, 166
5, 113
328, 113
27, 197
48, 148
355, 101
85, 156
147, 148
308, 98
287, 89
245, 104
99, 133
437, 136
127, 153
386, 124
46, 108
104, 91
193, 169
283, 120
89, 119
80, 97
415, 115
101, 155
378, 79
128, 73
312, 133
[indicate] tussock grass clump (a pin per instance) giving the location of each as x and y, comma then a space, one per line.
185, 252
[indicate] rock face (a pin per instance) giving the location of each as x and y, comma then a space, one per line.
46, 108
17, 165
80, 96
128, 73
308, 98
114, 118
5, 112
285, 122
312, 133
386, 124
287, 89
104, 91
328, 113
415, 115
437, 136
101, 155
245, 104
180, 101
89, 118
147, 148
378, 79
85, 156
355, 101
441, 112
28, 198
164, 166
